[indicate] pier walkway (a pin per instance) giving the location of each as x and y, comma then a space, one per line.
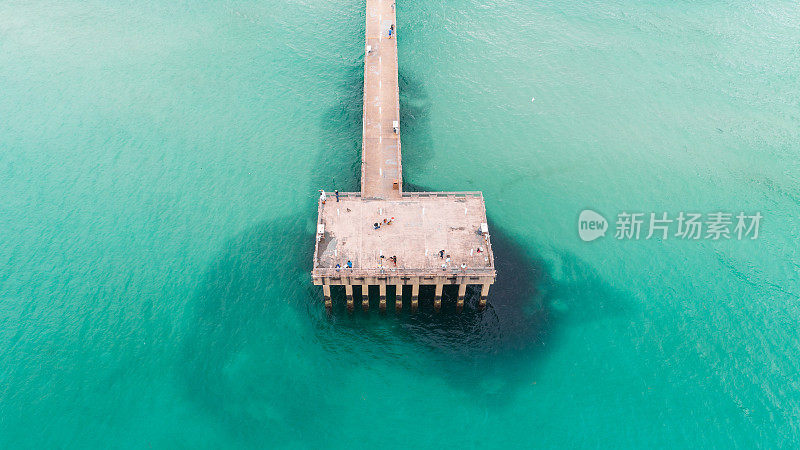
381, 170
385, 237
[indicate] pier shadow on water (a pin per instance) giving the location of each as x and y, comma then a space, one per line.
415, 123
487, 353
242, 350
259, 344
341, 155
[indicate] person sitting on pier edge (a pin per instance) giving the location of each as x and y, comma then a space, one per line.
441, 254
376, 225
349, 264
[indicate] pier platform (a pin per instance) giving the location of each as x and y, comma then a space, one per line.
422, 238
383, 236
430, 234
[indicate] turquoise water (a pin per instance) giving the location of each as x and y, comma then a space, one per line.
159, 162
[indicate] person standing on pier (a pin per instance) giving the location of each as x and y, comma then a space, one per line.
337, 195
322, 196
391, 30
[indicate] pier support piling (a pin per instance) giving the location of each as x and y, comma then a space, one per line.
414, 297
484, 294
398, 298
348, 291
382, 288
437, 298
326, 293
365, 297
462, 291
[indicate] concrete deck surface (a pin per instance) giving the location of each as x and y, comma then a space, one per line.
422, 226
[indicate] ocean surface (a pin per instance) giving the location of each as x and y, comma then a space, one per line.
159, 163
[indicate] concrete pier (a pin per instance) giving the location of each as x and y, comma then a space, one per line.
383, 235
